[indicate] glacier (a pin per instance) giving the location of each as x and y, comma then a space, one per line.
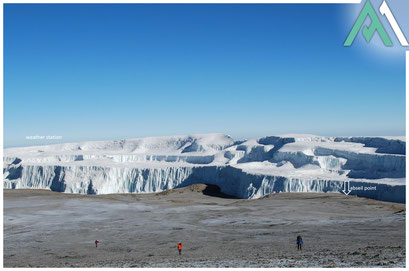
246, 169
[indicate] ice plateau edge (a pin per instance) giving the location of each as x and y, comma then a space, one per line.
246, 169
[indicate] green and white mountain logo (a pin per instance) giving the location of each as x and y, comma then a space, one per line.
376, 25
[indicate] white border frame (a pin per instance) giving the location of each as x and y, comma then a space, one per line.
168, 2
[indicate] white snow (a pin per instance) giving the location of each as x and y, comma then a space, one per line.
249, 169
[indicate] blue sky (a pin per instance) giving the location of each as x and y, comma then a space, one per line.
92, 72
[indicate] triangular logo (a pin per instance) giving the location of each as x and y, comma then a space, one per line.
368, 32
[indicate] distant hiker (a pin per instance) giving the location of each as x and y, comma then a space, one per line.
96, 243
299, 242
180, 245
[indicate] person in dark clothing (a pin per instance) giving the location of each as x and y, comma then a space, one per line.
299, 242
96, 243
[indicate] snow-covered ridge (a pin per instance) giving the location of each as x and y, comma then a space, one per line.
247, 169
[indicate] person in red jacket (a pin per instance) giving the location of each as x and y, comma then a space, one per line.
96, 243
180, 246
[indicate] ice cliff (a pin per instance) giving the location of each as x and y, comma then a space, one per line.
246, 169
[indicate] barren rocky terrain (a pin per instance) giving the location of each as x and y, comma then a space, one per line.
51, 229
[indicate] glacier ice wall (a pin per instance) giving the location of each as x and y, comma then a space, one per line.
246, 169
232, 181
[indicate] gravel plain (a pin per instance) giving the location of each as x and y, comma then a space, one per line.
51, 229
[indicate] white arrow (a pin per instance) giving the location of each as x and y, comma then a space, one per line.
347, 188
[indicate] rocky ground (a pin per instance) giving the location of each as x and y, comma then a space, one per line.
50, 229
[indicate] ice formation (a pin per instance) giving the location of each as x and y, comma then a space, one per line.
246, 169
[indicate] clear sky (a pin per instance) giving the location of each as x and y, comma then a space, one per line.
92, 72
